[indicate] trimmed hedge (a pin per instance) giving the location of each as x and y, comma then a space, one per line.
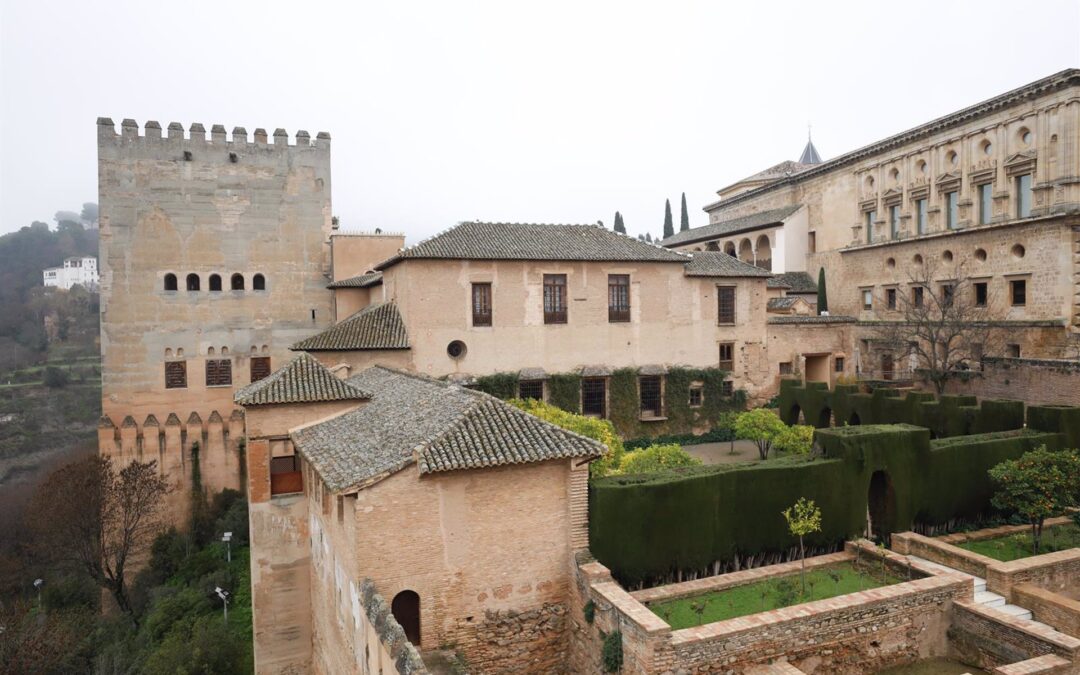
651, 526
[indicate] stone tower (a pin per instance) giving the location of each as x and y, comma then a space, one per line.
214, 259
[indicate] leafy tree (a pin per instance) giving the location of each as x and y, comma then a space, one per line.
89, 213
66, 217
822, 294
669, 226
55, 378
648, 237
89, 515
684, 222
656, 458
796, 440
619, 225
803, 518
46, 643
1038, 485
762, 426
596, 429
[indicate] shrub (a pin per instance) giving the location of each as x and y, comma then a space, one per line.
796, 440
598, 430
655, 458
56, 378
589, 610
612, 652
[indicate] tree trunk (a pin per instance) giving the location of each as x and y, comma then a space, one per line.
802, 558
1036, 536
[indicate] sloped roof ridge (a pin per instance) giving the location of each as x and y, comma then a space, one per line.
331, 388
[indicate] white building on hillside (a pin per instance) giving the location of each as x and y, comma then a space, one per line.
81, 271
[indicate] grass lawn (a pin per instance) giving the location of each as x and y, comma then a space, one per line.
821, 583
1016, 546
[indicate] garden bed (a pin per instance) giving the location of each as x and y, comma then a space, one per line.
822, 582
1018, 545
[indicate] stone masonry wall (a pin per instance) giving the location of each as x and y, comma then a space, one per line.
1039, 382
988, 638
1054, 609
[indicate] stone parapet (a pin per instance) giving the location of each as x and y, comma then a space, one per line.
1053, 609
989, 638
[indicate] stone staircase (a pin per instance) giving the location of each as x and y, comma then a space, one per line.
983, 596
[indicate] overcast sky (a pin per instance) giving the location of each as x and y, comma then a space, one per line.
540, 112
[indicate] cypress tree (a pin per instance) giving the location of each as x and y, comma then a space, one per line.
619, 226
684, 223
669, 226
822, 295
648, 237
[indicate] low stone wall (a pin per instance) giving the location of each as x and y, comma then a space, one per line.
1040, 665
989, 638
532, 641
937, 550
1037, 381
1051, 608
852, 633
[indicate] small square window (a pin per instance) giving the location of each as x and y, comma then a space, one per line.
1018, 292
838, 364
697, 396
1012, 351
785, 368
727, 388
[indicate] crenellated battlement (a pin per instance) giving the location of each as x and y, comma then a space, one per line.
151, 132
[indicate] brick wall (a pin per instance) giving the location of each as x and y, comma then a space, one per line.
1051, 608
988, 638
1037, 381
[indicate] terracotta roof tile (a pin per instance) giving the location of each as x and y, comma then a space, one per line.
734, 226
377, 326
717, 264
301, 380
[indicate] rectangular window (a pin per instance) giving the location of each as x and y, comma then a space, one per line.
867, 298
947, 293
838, 364
651, 400
870, 217
481, 304
894, 222
554, 298
1018, 292
986, 204
618, 292
890, 298
1013, 351
980, 294
260, 367
594, 397
727, 388
725, 304
952, 210
285, 476
785, 368
176, 374
811, 242
727, 356
219, 372
920, 216
697, 396
531, 389
1023, 196
917, 297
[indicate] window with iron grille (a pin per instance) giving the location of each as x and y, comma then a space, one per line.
727, 388
838, 364
531, 389
594, 397
554, 298
725, 304
1018, 289
481, 304
727, 356
651, 400
260, 367
618, 298
176, 374
785, 368
218, 372
980, 294
697, 396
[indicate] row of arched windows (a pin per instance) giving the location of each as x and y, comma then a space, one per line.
194, 283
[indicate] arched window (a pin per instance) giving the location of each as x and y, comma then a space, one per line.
258, 282
237, 282
193, 282
406, 609
170, 282
215, 282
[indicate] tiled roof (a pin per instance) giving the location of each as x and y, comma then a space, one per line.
437, 425
362, 281
780, 320
377, 326
526, 241
302, 380
786, 302
724, 228
717, 264
796, 282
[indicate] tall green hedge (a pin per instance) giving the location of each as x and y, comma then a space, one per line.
648, 527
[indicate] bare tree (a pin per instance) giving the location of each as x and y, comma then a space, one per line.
88, 514
943, 323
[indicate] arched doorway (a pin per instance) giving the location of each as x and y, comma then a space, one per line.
729, 248
746, 251
794, 414
854, 419
824, 420
881, 507
406, 609
763, 257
